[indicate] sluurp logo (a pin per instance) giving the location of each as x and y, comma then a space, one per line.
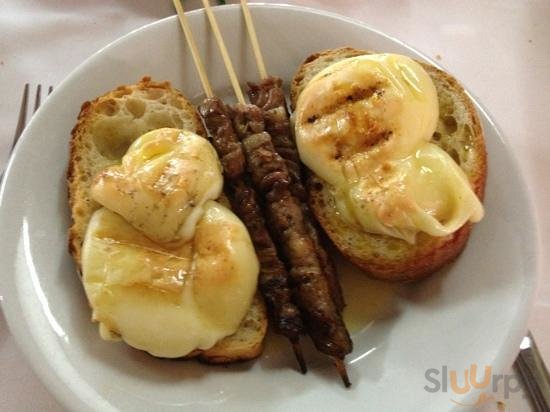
444, 380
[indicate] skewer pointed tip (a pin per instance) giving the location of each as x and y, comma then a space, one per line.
341, 368
299, 356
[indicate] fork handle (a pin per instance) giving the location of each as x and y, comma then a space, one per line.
532, 370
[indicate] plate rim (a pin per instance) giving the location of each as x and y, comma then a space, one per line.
66, 395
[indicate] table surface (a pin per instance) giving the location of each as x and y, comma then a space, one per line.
499, 50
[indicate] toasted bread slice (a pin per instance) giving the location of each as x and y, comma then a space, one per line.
105, 129
458, 132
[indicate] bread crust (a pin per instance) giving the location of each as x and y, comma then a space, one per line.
87, 157
381, 256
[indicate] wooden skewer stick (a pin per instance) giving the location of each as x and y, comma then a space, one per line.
223, 51
254, 39
193, 46
341, 368
299, 356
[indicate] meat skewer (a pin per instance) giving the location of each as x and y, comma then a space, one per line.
269, 96
273, 278
285, 217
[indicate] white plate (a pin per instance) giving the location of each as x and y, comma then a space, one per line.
472, 313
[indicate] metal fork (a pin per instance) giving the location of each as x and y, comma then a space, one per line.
22, 121
23, 110
532, 370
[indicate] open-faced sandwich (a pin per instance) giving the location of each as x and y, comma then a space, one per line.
166, 266
397, 159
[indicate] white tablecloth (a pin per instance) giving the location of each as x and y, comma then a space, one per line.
500, 50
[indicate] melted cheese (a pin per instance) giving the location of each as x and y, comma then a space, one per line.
364, 125
164, 180
169, 301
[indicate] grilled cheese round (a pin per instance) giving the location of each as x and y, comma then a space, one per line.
364, 125
168, 301
165, 178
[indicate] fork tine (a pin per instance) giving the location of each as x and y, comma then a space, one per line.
22, 121
22, 116
37, 98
